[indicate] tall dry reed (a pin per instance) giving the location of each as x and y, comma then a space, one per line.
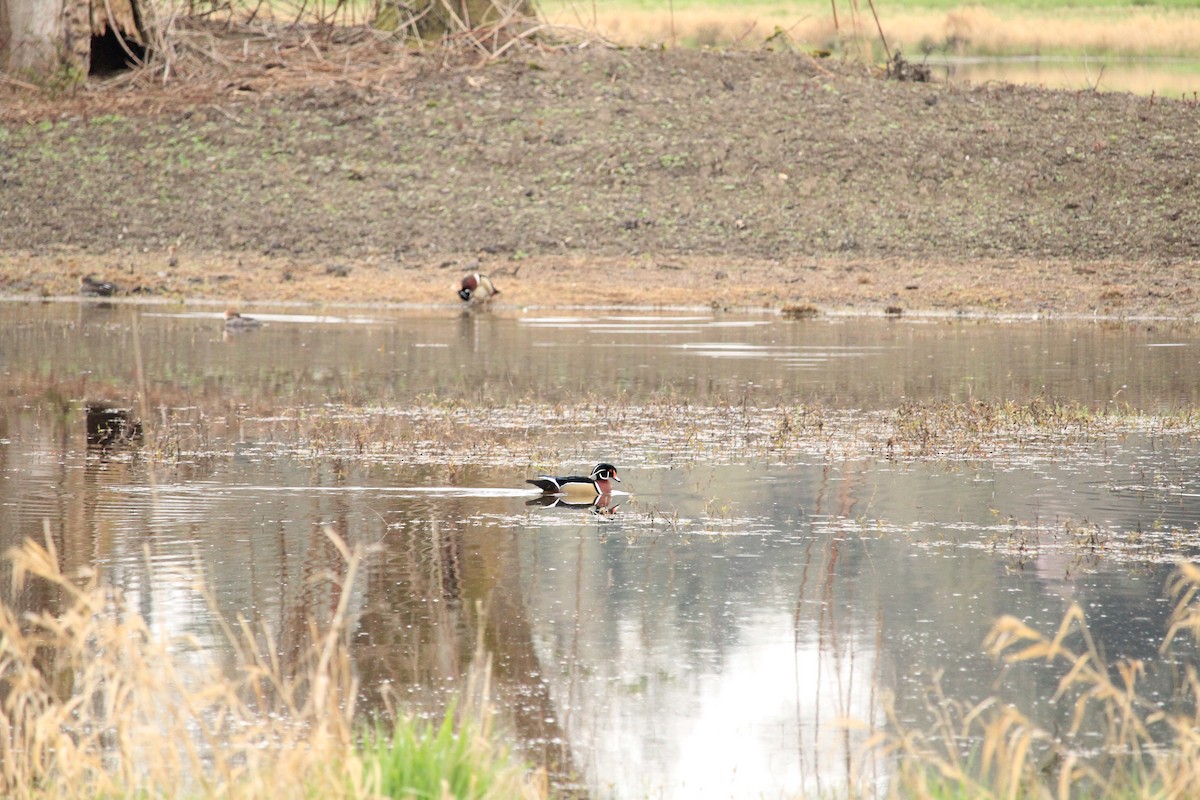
1120, 742
96, 703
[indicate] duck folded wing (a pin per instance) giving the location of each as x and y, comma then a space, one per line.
546, 483
571, 484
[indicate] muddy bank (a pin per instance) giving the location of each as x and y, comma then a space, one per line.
604, 177
813, 285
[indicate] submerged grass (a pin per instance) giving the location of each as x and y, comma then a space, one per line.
96, 703
979, 429
1147, 748
539, 433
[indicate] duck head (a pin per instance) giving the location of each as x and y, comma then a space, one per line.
235, 321
477, 286
469, 285
603, 474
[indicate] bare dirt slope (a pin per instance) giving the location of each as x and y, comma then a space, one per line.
596, 176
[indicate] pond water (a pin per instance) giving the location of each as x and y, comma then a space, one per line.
710, 631
1174, 78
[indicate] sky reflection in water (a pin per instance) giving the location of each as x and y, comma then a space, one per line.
708, 636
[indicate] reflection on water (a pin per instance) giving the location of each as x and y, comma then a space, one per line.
705, 635
1171, 78
396, 361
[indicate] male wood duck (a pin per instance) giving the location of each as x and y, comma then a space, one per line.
599, 482
90, 287
477, 287
236, 322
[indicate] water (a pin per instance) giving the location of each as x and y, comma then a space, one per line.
709, 632
1165, 77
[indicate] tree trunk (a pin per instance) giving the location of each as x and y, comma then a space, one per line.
61, 39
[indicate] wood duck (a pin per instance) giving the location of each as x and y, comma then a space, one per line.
236, 322
477, 287
90, 287
599, 482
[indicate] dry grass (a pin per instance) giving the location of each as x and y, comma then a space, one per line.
96, 703
969, 28
1130, 32
183, 35
189, 38
311, 24
1148, 749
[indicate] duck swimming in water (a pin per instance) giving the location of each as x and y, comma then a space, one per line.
236, 322
598, 482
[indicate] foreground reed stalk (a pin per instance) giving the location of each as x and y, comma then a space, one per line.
94, 703
1148, 750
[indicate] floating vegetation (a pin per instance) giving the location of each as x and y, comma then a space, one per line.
1002, 433
1086, 543
978, 429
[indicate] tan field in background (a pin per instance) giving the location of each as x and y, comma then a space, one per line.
1132, 32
